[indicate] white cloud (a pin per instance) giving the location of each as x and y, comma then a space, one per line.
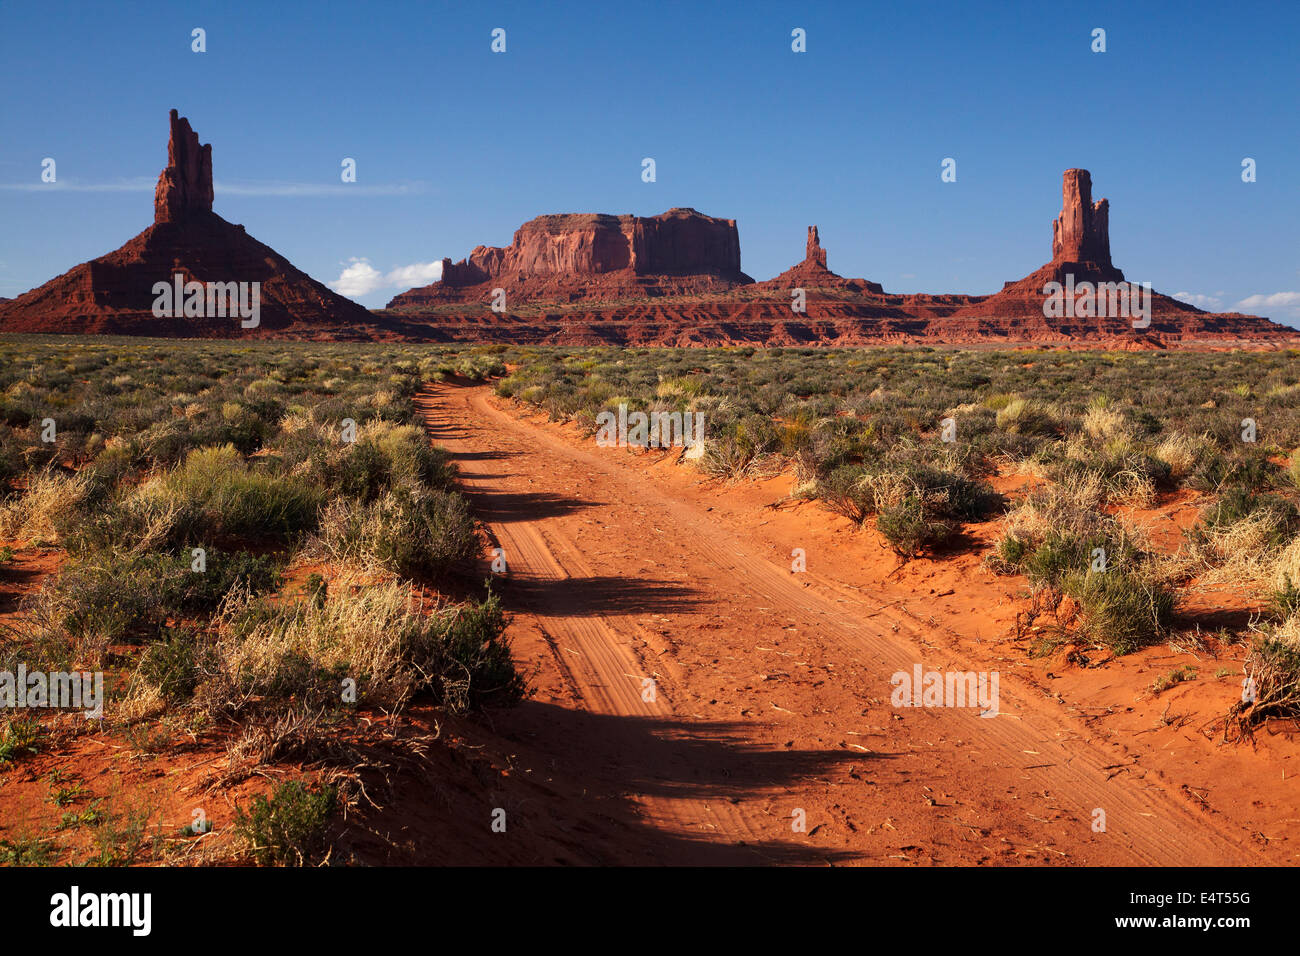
315, 189
145, 185
137, 185
360, 278
421, 273
1211, 303
1288, 303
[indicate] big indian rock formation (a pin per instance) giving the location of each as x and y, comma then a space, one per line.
586, 257
114, 294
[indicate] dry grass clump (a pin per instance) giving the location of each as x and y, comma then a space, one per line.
1024, 416
417, 533
36, 516
1286, 566
306, 649
1238, 556
1182, 454
1272, 686
1071, 506
1104, 424
354, 643
1120, 465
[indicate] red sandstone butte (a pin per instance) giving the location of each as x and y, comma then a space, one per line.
579, 257
114, 293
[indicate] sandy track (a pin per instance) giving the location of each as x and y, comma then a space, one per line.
771, 690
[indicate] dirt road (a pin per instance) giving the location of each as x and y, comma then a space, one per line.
741, 712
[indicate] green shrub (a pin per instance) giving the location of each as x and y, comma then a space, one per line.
171, 666
113, 597
733, 449
466, 659
1238, 473
1119, 609
911, 526
291, 827
22, 737
221, 496
1060, 554
1284, 601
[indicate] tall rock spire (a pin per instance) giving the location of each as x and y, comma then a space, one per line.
185, 186
814, 251
1081, 233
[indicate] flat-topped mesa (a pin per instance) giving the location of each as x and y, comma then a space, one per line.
814, 251
185, 186
680, 242
1081, 233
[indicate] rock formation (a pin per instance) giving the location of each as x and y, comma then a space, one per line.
813, 251
679, 242
1080, 254
812, 273
114, 293
1081, 233
569, 257
840, 311
672, 279
185, 187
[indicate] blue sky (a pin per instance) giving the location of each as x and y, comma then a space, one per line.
456, 146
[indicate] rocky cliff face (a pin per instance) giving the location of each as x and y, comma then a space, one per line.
679, 242
114, 293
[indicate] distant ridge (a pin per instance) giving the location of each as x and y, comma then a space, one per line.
582, 278
578, 305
